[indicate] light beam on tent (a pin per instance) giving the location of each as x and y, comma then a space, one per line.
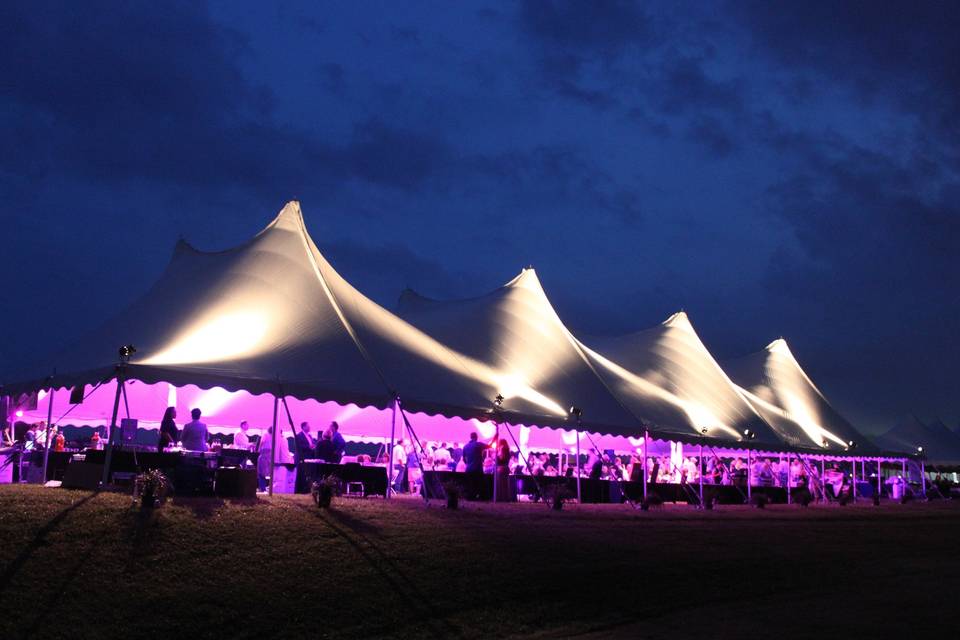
217, 337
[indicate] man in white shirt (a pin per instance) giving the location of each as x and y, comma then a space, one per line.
241, 440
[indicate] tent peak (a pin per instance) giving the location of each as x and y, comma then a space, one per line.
680, 320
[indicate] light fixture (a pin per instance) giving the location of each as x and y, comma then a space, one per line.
126, 351
498, 400
919, 449
703, 430
749, 434
576, 412
851, 444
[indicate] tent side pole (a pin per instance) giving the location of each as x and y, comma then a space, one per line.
749, 476
789, 477
393, 444
823, 478
879, 478
700, 473
113, 425
579, 500
903, 475
46, 449
853, 481
496, 465
923, 473
273, 443
646, 444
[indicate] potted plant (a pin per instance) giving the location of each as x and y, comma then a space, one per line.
152, 487
322, 491
453, 491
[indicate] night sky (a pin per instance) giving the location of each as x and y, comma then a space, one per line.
775, 169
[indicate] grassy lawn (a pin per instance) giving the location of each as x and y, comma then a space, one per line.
75, 564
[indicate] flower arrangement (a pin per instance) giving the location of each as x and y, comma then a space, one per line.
151, 487
322, 491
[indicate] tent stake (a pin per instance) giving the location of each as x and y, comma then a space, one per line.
46, 449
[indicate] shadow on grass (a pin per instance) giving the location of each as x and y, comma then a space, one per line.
38, 541
351, 530
202, 508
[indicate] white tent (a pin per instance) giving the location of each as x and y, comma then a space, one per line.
273, 317
515, 330
667, 375
775, 384
940, 445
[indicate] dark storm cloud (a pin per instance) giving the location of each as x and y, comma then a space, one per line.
906, 53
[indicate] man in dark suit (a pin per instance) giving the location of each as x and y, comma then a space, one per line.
473, 454
339, 444
304, 449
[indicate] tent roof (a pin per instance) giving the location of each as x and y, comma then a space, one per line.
775, 384
667, 376
270, 311
515, 331
940, 444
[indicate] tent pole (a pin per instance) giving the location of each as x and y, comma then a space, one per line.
879, 478
923, 472
273, 443
823, 478
853, 481
789, 478
700, 465
579, 499
903, 476
496, 470
46, 449
646, 444
393, 444
113, 425
749, 477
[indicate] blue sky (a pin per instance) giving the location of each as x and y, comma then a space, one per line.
775, 169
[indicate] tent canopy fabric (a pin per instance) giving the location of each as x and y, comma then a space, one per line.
775, 384
668, 376
940, 444
272, 316
515, 331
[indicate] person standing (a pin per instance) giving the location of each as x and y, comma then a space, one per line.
194, 437
304, 449
339, 444
473, 455
265, 451
241, 440
168, 429
502, 477
399, 455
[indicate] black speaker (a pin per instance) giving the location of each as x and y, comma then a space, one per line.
77, 393
82, 475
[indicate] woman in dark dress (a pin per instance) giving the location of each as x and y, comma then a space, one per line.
168, 429
502, 477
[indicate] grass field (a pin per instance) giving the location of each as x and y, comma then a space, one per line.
82, 565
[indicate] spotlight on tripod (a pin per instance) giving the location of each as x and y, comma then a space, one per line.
851, 444
126, 351
576, 412
498, 400
749, 434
